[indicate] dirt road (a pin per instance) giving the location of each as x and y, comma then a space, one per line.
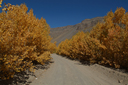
67, 72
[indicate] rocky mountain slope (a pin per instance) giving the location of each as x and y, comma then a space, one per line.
61, 33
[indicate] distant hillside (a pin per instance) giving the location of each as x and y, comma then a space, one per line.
61, 33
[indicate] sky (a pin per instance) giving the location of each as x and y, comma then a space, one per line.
58, 13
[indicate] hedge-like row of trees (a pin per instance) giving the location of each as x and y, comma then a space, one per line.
106, 44
24, 39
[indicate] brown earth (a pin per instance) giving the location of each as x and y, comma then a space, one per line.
63, 71
67, 72
61, 33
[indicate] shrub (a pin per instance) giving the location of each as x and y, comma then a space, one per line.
23, 39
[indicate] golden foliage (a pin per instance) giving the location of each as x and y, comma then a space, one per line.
1, 2
23, 39
107, 43
81, 47
112, 34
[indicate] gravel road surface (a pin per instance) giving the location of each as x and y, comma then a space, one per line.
67, 72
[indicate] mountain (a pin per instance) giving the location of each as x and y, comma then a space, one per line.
61, 33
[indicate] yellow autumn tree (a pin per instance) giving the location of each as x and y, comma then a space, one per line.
112, 34
82, 47
106, 44
24, 39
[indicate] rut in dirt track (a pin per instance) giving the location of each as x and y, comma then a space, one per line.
67, 72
